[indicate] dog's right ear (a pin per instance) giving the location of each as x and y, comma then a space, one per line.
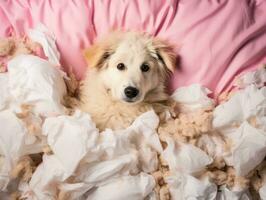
96, 55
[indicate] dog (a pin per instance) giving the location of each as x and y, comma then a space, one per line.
126, 77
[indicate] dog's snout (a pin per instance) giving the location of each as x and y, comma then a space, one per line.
131, 92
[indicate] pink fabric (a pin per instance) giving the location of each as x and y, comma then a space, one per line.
217, 39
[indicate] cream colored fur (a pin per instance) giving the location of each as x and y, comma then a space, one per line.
102, 91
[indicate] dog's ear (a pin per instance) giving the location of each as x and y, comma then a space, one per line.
96, 55
165, 54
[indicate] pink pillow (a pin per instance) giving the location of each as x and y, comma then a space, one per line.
216, 39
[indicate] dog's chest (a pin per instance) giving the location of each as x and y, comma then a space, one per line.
114, 115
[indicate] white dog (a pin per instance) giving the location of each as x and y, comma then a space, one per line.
126, 77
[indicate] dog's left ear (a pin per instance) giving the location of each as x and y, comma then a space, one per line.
165, 54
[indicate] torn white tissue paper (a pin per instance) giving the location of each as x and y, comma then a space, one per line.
262, 192
98, 173
126, 187
186, 187
261, 123
70, 137
117, 153
248, 149
148, 159
257, 77
242, 105
143, 131
143, 135
41, 35
33, 80
234, 194
111, 158
74, 190
185, 158
94, 158
4, 94
47, 175
34, 141
101, 172
193, 97
212, 144
11, 141
112, 144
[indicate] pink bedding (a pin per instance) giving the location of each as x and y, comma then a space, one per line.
216, 39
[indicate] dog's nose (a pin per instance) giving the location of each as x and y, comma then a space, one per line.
131, 92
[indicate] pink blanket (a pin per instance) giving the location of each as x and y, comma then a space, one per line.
216, 39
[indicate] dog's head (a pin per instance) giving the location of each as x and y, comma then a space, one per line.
132, 66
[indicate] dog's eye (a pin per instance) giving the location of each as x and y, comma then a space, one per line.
144, 67
121, 66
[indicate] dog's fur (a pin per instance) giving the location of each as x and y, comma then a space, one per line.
102, 91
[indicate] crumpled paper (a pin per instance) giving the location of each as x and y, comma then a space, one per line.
234, 194
4, 95
185, 158
257, 77
193, 97
244, 104
73, 132
262, 192
41, 35
95, 159
126, 187
15, 142
33, 80
212, 144
11, 140
186, 187
248, 148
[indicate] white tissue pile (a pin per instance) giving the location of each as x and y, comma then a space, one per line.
117, 165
